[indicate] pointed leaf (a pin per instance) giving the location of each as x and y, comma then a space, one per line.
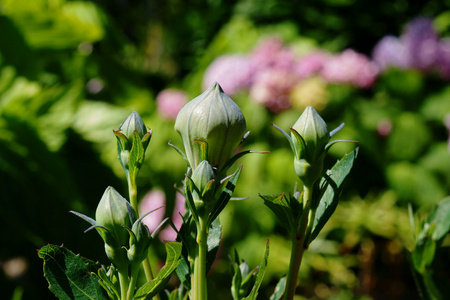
70, 276
84, 217
213, 242
279, 206
279, 289
441, 218
260, 276
330, 198
137, 155
225, 196
152, 288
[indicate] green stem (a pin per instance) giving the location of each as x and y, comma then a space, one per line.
133, 281
123, 281
198, 280
132, 191
298, 245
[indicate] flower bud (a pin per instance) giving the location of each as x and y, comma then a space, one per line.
113, 213
214, 118
309, 135
140, 240
133, 122
201, 178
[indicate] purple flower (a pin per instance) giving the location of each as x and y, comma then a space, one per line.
421, 42
390, 52
272, 88
170, 101
350, 67
232, 71
443, 63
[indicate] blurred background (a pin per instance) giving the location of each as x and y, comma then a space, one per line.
72, 71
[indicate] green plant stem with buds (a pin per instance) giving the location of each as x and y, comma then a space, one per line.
199, 290
132, 191
299, 241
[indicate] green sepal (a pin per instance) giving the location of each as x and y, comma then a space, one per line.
334, 183
123, 142
225, 196
189, 198
181, 153
107, 282
152, 288
203, 149
289, 138
84, 217
146, 139
137, 155
260, 276
300, 151
234, 158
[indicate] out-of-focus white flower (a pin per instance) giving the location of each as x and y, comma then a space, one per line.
272, 88
170, 101
232, 71
350, 67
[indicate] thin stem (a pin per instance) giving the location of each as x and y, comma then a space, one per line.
133, 281
132, 191
298, 246
123, 281
199, 291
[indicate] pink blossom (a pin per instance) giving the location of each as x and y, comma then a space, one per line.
443, 63
154, 199
170, 101
311, 64
272, 87
271, 53
350, 67
231, 71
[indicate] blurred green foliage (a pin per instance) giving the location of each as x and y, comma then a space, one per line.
72, 71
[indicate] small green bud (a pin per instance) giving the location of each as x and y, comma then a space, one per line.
133, 122
214, 118
314, 131
310, 137
140, 240
132, 136
202, 178
113, 213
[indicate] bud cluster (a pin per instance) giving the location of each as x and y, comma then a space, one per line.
126, 238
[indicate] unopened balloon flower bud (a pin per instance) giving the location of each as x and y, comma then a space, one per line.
214, 118
202, 182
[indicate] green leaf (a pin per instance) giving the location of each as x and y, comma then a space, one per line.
441, 218
225, 196
260, 276
152, 288
280, 207
70, 276
279, 289
213, 242
334, 184
423, 254
237, 277
137, 155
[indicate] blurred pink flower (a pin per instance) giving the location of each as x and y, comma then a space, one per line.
443, 63
271, 53
170, 101
311, 64
390, 52
272, 88
350, 67
232, 72
421, 42
154, 199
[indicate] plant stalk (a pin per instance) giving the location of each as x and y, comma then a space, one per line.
123, 281
198, 281
132, 191
298, 245
133, 281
